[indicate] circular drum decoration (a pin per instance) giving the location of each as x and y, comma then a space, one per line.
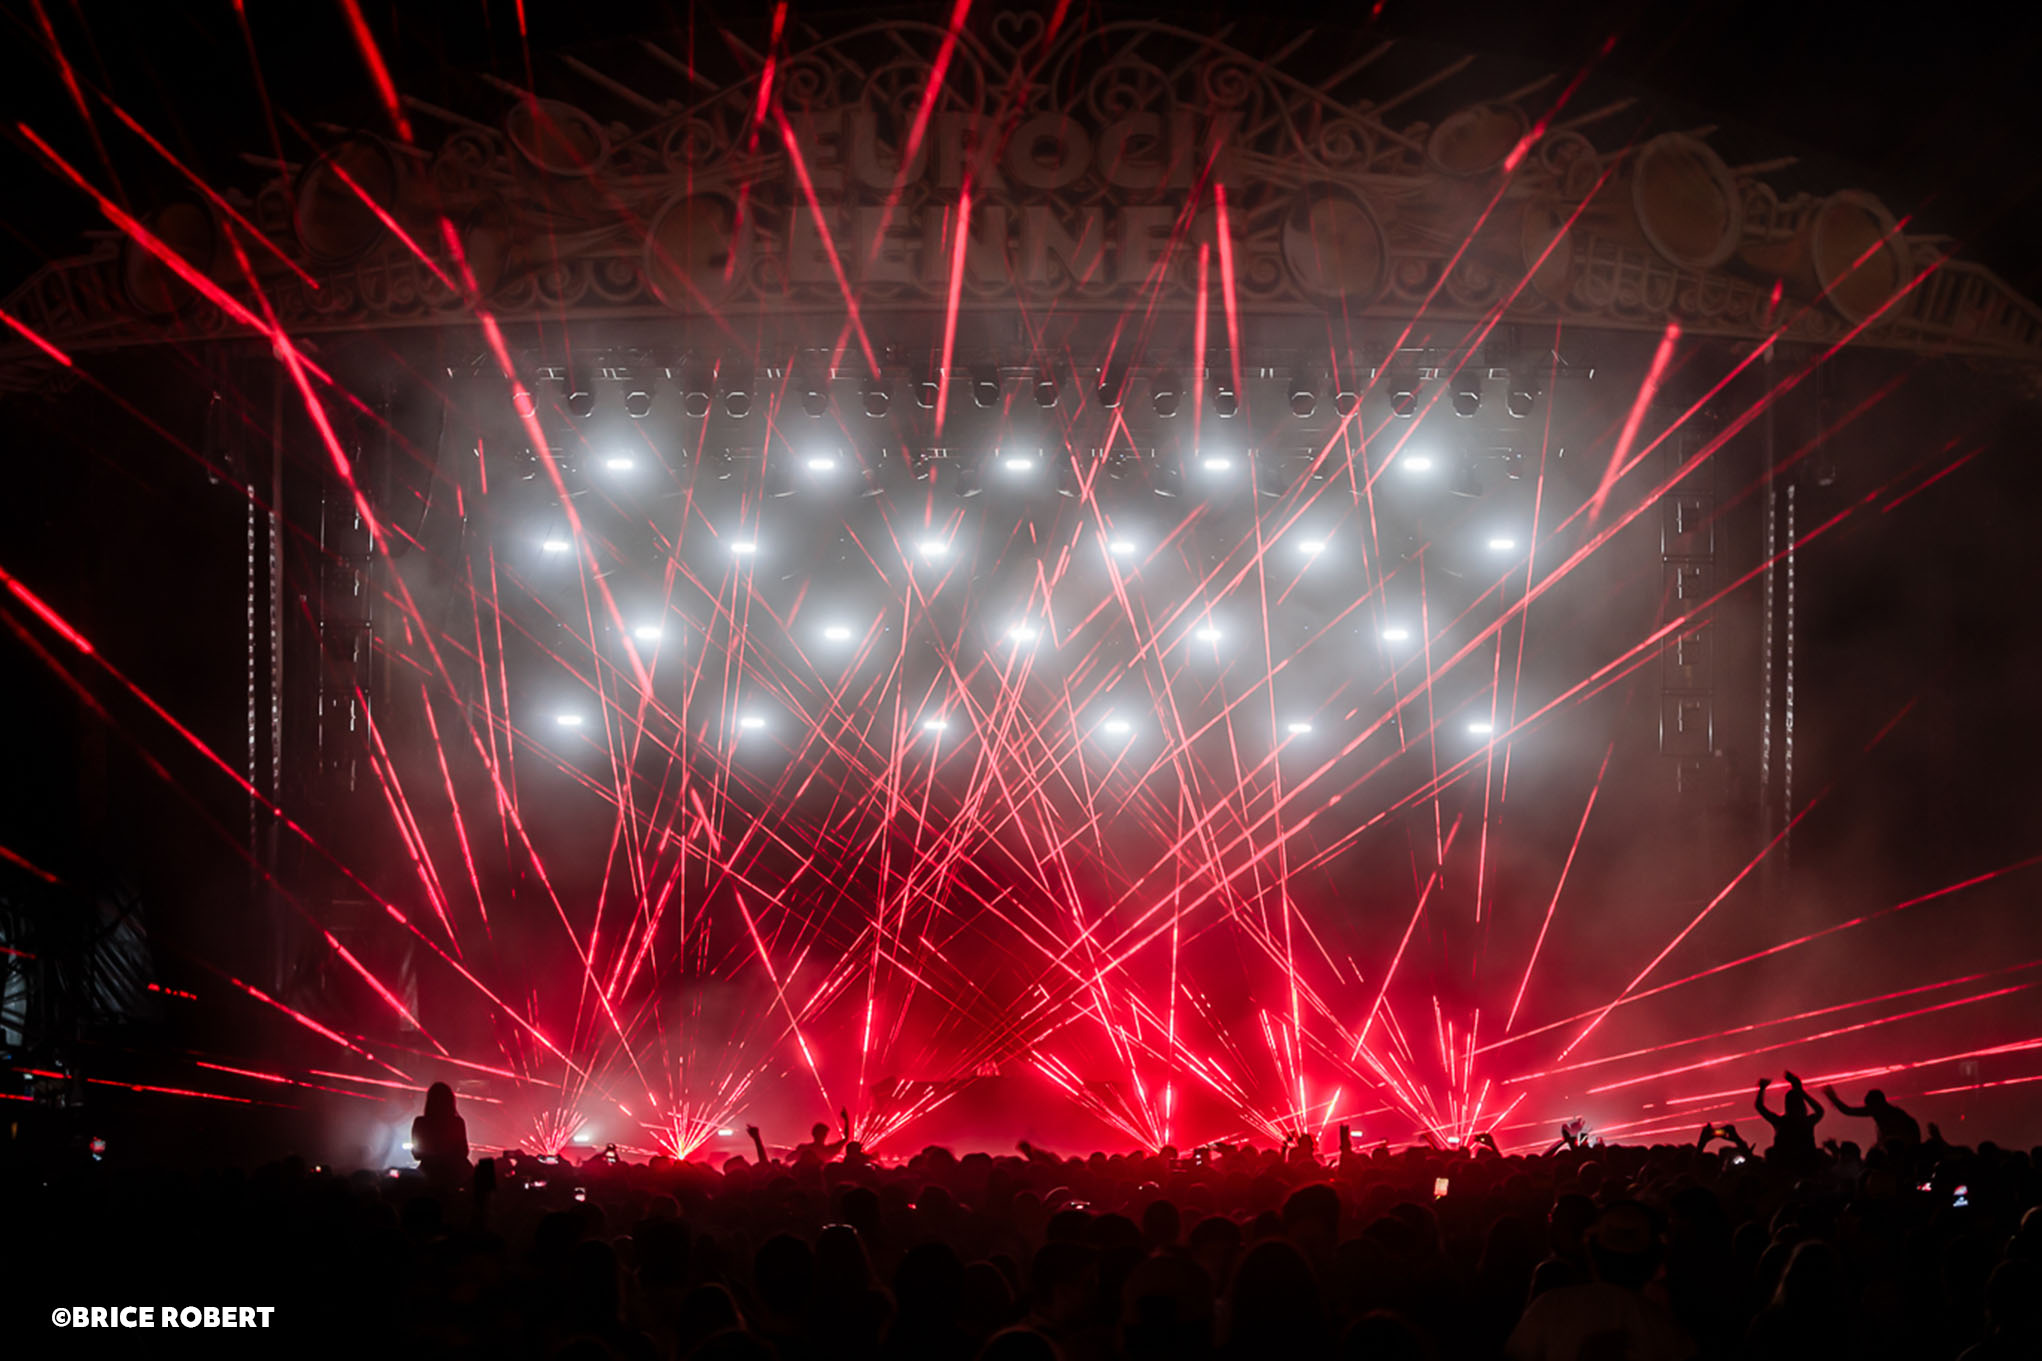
333, 224
153, 289
692, 256
1335, 248
557, 138
1850, 227
1543, 233
1686, 202
486, 244
1476, 140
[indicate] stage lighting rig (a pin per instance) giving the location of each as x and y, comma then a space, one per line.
877, 402
695, 392
985, 386
1467, 479
1046, 390
737, 404
926, 394
567, 459
1112, 386
1467, 397
1304, 395
1166, 475
1346, 402
815, 400
1524, 375
1225, 401
1166, 394
1068, 481
1404, 403
638, 403
581, 404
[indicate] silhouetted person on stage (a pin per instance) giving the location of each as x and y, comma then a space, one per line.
1895, 1125
1794, 1128
439, 1138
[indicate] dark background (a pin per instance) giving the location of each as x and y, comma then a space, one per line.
1935, 108
1939, 116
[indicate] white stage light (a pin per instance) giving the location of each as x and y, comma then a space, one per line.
1415, 463
1480, 728
1311, 548
751, 723
647, 633
1298, 729
1207, 634
1396, 634
1121, 548
822, 463
725, 1133
1024, 633
743, 547
933, 549
1018, 463
1217, 463
568, 720
1502, 544
556, 544
1116, 727
620, 463
838, 633
935, 724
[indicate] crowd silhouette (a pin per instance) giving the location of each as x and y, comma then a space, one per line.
1902, 1246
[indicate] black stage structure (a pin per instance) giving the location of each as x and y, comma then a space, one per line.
1303, 262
